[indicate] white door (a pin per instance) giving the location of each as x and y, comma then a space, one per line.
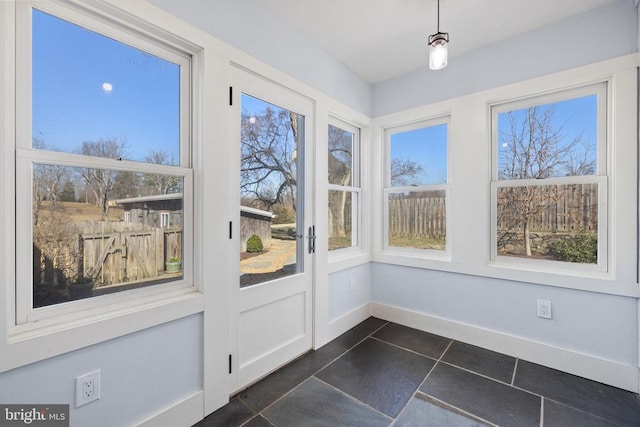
271, 299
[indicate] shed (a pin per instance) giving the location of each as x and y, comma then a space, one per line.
255, 221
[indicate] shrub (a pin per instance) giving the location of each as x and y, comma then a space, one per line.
254, 244
583, 247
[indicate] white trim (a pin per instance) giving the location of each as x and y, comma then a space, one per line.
22, 345
581, 364
471, 194
600, 176
342, 324
186, 412
8, 80
60, 339
439, 119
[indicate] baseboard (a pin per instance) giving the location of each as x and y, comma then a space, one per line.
185, 413
342, 324
580, 364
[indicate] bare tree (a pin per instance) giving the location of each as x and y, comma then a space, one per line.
405, 172
268, 157
159, 183
340, 146
48, 182
536, 148
126, 184
101, 181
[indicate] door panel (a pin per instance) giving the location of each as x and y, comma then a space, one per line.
272, 322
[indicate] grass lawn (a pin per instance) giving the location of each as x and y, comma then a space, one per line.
339, 242
417, 242
77, 212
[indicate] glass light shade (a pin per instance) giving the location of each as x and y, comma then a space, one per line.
438, 54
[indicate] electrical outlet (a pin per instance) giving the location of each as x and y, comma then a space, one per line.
352, 284
544, 309
87, 388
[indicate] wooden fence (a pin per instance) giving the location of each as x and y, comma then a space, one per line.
418, 214
112, 253
561, 208
549, 209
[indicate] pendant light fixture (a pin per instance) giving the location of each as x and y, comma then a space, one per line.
438, 47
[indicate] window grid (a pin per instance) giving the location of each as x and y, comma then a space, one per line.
27, 158
548, 197
348, 195
420, 210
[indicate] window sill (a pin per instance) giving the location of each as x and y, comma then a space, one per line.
578, 280
36, 344
343, 259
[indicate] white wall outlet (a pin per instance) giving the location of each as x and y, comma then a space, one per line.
544, 309
87, 388
352, 284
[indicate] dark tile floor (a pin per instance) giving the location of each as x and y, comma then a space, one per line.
380, 374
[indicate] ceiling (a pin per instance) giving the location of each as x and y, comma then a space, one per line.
381, 39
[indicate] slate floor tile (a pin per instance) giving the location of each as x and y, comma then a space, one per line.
421, 342
486, 362
258, 421
232, 414
379, 374
425, 412
270, 389
315, 403
488, 399
619, 406
558, 415
359, 332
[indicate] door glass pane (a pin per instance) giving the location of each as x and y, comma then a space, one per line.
271, 192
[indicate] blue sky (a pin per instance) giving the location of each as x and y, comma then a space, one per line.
426, 146
88, 87
574, 117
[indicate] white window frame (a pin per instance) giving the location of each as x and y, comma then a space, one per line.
601, 178
444, 255
30, 322
164, 219
355, 188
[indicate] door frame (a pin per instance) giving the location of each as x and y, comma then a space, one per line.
255, 85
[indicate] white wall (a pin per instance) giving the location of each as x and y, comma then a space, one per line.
601, 327
141, 374
596, 35
253, 29
343, 297
597, 324
168, 359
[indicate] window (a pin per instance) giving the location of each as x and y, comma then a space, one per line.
106, 151
416, 189
344, 185
164, 219
550, 178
